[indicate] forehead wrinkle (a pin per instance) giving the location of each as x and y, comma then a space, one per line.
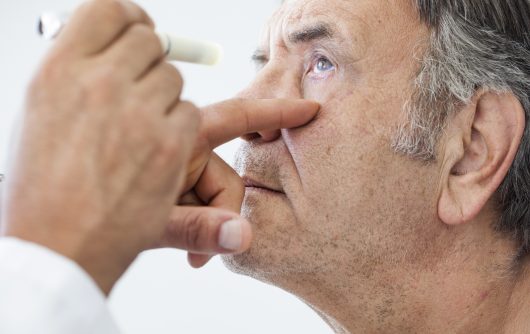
356, 29
344, 24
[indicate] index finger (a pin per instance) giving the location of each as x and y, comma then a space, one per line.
97, 23
230, 119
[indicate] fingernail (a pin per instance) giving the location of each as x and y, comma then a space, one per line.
231, 234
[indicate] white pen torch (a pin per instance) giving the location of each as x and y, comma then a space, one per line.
175, 48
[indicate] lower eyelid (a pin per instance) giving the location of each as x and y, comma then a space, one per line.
320, 76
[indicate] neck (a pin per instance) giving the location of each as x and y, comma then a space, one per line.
518, 310
477, 293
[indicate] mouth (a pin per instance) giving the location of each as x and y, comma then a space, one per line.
254, 185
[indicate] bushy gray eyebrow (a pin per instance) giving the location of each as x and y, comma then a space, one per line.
311, 33
260, 56
315, 31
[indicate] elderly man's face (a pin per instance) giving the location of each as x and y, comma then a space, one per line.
344, 200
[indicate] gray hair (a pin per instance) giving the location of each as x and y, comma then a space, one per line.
475, 44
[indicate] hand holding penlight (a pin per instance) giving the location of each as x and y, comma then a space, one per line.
175, 48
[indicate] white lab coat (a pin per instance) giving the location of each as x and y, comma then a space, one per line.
44, 292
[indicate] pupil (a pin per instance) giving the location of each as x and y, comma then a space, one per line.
323, 65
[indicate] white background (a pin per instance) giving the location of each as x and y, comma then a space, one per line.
160, 293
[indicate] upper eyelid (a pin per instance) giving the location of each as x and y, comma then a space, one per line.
319, 58
315, 55
320, 51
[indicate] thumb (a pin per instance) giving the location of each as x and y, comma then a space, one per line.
207, 230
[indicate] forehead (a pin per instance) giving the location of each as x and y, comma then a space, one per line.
353, 18
297, 9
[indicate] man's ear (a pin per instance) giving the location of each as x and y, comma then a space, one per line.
481, 143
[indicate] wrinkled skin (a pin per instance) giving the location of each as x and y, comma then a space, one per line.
351, 227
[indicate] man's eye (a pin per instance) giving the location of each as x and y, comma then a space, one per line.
322, 65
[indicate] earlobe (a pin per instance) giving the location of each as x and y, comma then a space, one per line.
481, 144
450, 209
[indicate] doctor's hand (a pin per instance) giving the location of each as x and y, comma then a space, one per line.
104, 143
206, 221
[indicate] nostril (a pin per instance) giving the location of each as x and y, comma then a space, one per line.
268, 136
250, 136
263, 136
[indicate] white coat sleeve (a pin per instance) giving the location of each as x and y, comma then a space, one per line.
44, 292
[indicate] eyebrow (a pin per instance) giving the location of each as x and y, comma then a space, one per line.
311, 33
260, 56
308, 34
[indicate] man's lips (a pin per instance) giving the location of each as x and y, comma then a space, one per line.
253, 183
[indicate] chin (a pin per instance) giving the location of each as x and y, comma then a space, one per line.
281, 246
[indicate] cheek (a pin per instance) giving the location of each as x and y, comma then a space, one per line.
322, 90
340, 135
335, 157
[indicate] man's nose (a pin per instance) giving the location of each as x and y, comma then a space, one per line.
272, 82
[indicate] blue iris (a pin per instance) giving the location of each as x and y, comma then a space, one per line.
323, 65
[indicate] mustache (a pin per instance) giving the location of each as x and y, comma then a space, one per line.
257, 161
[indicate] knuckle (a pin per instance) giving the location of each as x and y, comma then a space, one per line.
151, 41
146, 35
237, 103
194, 121
138, 30
188, 117
191, 113
114, 10
193, 233
172, 76
199, 232
187, 105
176, 75
121, 11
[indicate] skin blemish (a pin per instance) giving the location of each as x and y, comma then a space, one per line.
484, 295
